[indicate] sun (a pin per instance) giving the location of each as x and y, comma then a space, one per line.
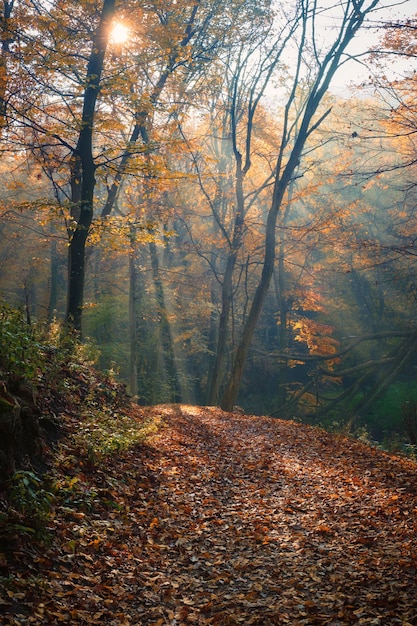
119, 33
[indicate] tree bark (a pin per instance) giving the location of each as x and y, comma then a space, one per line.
83, 189
284, 339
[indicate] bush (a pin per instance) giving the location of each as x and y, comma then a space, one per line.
29, 506
20, 352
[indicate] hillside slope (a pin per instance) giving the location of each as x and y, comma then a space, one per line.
225, 519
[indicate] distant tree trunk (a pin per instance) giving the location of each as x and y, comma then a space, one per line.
370, 299
53, 287
133, 313
280, 188
279, 276
27, 293
284, 304
222, 332
211, 342
219, 324
231, 392
168, 353
227, 286
83, 161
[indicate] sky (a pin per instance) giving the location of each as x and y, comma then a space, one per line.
354, 72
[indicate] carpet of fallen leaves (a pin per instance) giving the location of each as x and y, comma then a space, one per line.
226, 519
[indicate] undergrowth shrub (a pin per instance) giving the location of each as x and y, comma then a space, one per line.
29, 506
93, 407
20, 349
103, 432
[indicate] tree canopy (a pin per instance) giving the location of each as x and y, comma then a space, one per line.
196, 199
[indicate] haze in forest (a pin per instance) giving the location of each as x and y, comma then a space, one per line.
211, 206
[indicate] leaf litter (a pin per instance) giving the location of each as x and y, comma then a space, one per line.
224, 519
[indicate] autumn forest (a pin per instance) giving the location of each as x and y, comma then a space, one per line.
220, 198
208, 333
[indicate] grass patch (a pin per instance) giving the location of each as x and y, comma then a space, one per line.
103, 433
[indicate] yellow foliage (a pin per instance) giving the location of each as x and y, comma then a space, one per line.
315, 335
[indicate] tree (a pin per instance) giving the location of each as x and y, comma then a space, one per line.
193, 170
200, 81
74, 90
83, 168
293, 143
367, 283
222, 164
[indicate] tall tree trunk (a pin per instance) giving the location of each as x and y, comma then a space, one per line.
227, 287
211, 341
231, 392
218, 366
280, 187
83, 163
53, 287
133, 312
279, 277
284, 304
167, 344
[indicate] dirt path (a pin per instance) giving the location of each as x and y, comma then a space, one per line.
228, 519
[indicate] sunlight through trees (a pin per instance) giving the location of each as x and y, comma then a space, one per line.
182, 185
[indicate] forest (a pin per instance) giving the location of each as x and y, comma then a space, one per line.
208, 341
219, 198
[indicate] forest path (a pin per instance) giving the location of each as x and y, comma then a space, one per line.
261, 521
230, 519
